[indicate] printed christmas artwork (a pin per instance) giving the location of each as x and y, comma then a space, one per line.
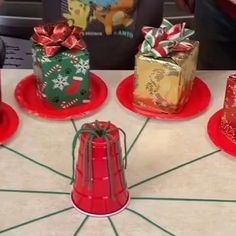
62, 78
101, 17
228, 120
160, 93
62, 82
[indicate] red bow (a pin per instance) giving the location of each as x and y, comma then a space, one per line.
52, 37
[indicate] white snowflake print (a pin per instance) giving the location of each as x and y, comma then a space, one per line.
60, 82
45, 59
82, 66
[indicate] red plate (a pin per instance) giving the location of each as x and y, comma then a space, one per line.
8, 124
26, 96
198, 102
217, 137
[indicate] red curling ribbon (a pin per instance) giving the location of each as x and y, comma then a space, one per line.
55, 36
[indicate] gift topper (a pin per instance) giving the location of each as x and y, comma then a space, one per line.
165, 68
100, 187
228, 120
160, 42
61, 65
54, 37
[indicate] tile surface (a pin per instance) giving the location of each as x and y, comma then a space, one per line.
184, 196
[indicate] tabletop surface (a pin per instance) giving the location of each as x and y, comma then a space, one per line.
180, 183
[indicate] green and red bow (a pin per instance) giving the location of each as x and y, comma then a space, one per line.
159, 42
96, 130
54, 36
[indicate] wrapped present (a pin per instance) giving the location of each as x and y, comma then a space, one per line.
165, 68
100, 186
61, 65
228, 120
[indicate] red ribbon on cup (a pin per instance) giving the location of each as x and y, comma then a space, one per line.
54, 36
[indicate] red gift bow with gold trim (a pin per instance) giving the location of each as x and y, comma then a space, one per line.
159, 42
54, 36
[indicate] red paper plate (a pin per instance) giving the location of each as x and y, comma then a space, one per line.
217, 137
198, 102
26, 96
8, 124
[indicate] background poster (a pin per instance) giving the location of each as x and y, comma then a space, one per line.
101, 17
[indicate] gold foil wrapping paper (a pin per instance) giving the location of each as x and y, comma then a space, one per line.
165, 84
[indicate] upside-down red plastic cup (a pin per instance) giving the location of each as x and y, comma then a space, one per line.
106, 193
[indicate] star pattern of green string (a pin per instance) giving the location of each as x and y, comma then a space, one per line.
135, 198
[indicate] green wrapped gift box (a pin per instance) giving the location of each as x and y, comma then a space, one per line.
63, 79
62, 73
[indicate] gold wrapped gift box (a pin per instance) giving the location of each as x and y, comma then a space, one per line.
165, 84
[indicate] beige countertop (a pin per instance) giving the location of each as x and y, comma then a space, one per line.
187, 196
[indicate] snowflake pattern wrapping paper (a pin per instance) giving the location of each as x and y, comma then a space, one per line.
62, 80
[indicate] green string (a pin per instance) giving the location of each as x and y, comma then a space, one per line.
85, 161
183, 199
98, 127
36, 219
74, 125
113, 226
148, 220
90, 161
81, 226
110, 168
120, 160
125, 143
138, 135
33, 191
173, 169
125, 146
37, 163
121, 165
74, 143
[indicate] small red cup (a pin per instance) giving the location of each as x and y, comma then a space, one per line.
228, 119
100, 187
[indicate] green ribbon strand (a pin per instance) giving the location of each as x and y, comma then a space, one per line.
151, 222
81, 226
35, 220
113, 226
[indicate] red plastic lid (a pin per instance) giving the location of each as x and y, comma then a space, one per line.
218, 137
26, 95
198, 102
9, 122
